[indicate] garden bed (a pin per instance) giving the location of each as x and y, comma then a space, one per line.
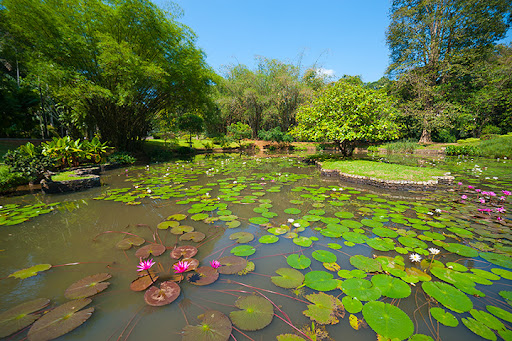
72, 181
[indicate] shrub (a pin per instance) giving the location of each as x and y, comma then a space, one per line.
274, 134
239, 131
373, 148
121, 158
462, 150
491, 129
488, 137
29, 161
10, 179
222, 141
207, 145
498, 147
471, 140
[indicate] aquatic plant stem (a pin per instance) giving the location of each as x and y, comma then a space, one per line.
270, 291
152, 280
291, 325
247, 336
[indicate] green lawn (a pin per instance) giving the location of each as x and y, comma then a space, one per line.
197, 144
385, 171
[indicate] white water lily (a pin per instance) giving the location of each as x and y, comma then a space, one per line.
296, 225
290, 220
433, 250
415, 257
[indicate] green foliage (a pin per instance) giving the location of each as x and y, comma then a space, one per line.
373, 149
10, 179
121, 158
239, 131
462, 150
29, 161
497, 148
346, 113
191, 123
404, 146
67, 152
274, 134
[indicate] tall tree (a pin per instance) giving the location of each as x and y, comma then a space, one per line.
426, 37
112, 64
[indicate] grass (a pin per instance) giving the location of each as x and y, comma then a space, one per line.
385, 171
68, 176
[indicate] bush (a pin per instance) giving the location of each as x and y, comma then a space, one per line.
222, 141
324, 146
491, 130
498, 147
29, 161
462, 150
274, 134
121, 158
10, 179
488, 137
373, 148
207, 145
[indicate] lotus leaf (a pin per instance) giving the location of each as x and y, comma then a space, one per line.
21, 316
298, 261
231, 265
88, 286
452, 298
486, 274
391, 287
352, 305
302, 241
164, 225
199, 216
258, 221
444, 317
177, 217
487, 319
361, 289
243, 250
29, 272
456, 266
320, 280
387, 320
203, 276
498, 312
168, 292
451, 276
325, 308
366, 264
334, 246
127, 243
233, 224
215, 326
381, 244
242, 237
498, 259
60, 320
503, 273
344, 215
289, 278
351, 224
479, 328
384, 232
268, 239
256, 313
185, 251
193, 236
324, 256
181, 229
292, 211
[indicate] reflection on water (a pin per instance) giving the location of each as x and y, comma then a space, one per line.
138, 199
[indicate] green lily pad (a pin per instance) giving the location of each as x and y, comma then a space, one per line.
302, 241
268, 239
320, 280
355, 237
258, 221
292, 210
231, 265
242, 237
498, 312
381, 244
177, 217
487, 319
497, 259
486, 274
460, 249
88, 286
215, 326
351, 224
256, 313
181, 229
361, 289
371, 223
391, 287
479, 328
127, 243
199, 216
444, 317
243, 250
412, 242
384, 232
61, 320
164, 225
325, 308
503, 273
233, 224
289, 278
387, 320
21, 316
456, 266
298, 261
452, 298
352, 305
289, 337
29, 272
344, 215
365, 263
324, 256
452, 276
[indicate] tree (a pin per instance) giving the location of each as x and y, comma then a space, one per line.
427, 37
111, 65
239, 131
191, 123
347, 113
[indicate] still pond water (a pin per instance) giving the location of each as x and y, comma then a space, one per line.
348, 252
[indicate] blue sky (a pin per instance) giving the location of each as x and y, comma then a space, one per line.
340, 36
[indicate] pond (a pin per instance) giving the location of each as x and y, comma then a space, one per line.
301, 256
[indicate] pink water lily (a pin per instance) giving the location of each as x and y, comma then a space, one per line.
181, 267
145, 264
470, 187
215, 264
463, 197
506, 192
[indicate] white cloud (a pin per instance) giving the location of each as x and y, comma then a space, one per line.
325, 72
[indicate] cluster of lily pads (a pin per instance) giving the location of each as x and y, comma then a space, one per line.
349, 253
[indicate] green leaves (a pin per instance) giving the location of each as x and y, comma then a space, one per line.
387, 320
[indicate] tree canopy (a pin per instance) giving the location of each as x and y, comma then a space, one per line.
347, 112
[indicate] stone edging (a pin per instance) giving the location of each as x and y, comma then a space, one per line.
400, 185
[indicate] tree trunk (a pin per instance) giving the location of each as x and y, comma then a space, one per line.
425, 136
346, 147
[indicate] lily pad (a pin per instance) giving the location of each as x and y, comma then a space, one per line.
199, 216
444, 317
60, 320
302, 241
127, 243
361, 289
181, 229
289, 337
258, 221
381, 244
501, 313
320, 280
29, 272
143, 282
324, 256
256, 313
268, 239
21, 316
88, 286
215, 326
503, 273
352, 305
460, 249
203, 276
185, 251
243, 250
193, 236
164, 225
384, 232
325, 308
452, 298
242, 237
498, 259
365, 263
391, 287
487, 319
387, 320
168, 292
298, 261
292, 210
231, 265
288, 279
479, 328
177, 217
151, 249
